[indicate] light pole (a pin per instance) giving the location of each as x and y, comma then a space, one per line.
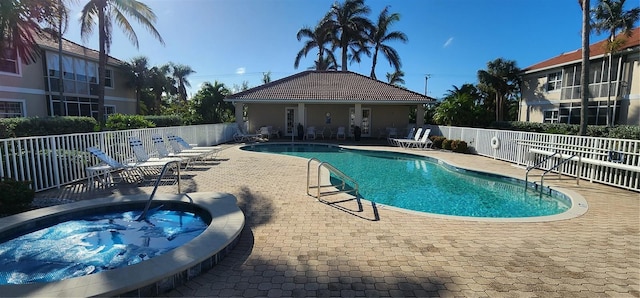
426, 80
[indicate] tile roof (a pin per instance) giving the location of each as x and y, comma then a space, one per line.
595, 49
73, 48
328, 87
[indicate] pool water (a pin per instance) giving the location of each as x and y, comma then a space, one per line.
427, 185
93, 244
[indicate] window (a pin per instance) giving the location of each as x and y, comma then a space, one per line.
11, 109
554, 81
551, 116
10, 62
79, 75
108, 78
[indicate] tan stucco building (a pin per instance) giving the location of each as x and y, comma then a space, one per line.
28, 90
551, 88
328, 100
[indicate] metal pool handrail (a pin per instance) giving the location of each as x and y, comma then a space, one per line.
334, 170
143, 215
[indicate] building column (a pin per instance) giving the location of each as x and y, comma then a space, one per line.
420, 115
301, 115
239, 112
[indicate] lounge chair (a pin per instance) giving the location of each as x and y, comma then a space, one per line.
116, 166
161, 148
410, 137
341, 134
423, 143
178, 145
141, 154
241, 136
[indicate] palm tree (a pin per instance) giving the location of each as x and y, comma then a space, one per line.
395, 78
160, 83
319, 37
57, 33
266, 77
180, 73
584, 75
325, 63
209, 103
22, 22
501, 77
105, 12
348, 25
379, 36
137, 71
610, 16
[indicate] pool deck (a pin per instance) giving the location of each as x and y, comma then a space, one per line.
294, 245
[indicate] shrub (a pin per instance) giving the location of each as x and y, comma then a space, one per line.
459, 146
36, 126
15, 196
122, 122
446, 144
618, 132
625, 132
437, 141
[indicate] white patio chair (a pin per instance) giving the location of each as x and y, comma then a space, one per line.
341, 134
311, 133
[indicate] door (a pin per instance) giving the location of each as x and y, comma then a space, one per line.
289, 121
365, 126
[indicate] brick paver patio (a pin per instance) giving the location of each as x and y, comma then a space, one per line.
293, 245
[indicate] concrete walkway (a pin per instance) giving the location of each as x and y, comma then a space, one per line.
294, 245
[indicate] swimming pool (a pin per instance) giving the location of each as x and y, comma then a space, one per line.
426, 184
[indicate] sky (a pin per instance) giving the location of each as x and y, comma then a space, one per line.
232, 41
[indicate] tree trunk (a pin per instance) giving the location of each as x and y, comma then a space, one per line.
344, 58
609, 118
63, 102
373, 64
584, 89
102, 62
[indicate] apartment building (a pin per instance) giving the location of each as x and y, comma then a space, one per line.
28, 90
551, 88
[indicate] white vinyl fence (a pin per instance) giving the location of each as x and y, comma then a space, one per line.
53, 161
614, 162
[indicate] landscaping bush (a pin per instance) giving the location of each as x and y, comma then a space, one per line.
446, 144
15, 196
122, 122
437, 141
459, 146
625, 132
36, 126
165, 121
617, 132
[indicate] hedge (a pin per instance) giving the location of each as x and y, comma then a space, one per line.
617, 132
36, 126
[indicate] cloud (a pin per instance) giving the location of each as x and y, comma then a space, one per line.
448, 42
240, 70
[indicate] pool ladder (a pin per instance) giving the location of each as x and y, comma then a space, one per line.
342, 188
143, 215
555, 166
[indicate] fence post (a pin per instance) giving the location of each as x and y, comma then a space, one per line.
54, 158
